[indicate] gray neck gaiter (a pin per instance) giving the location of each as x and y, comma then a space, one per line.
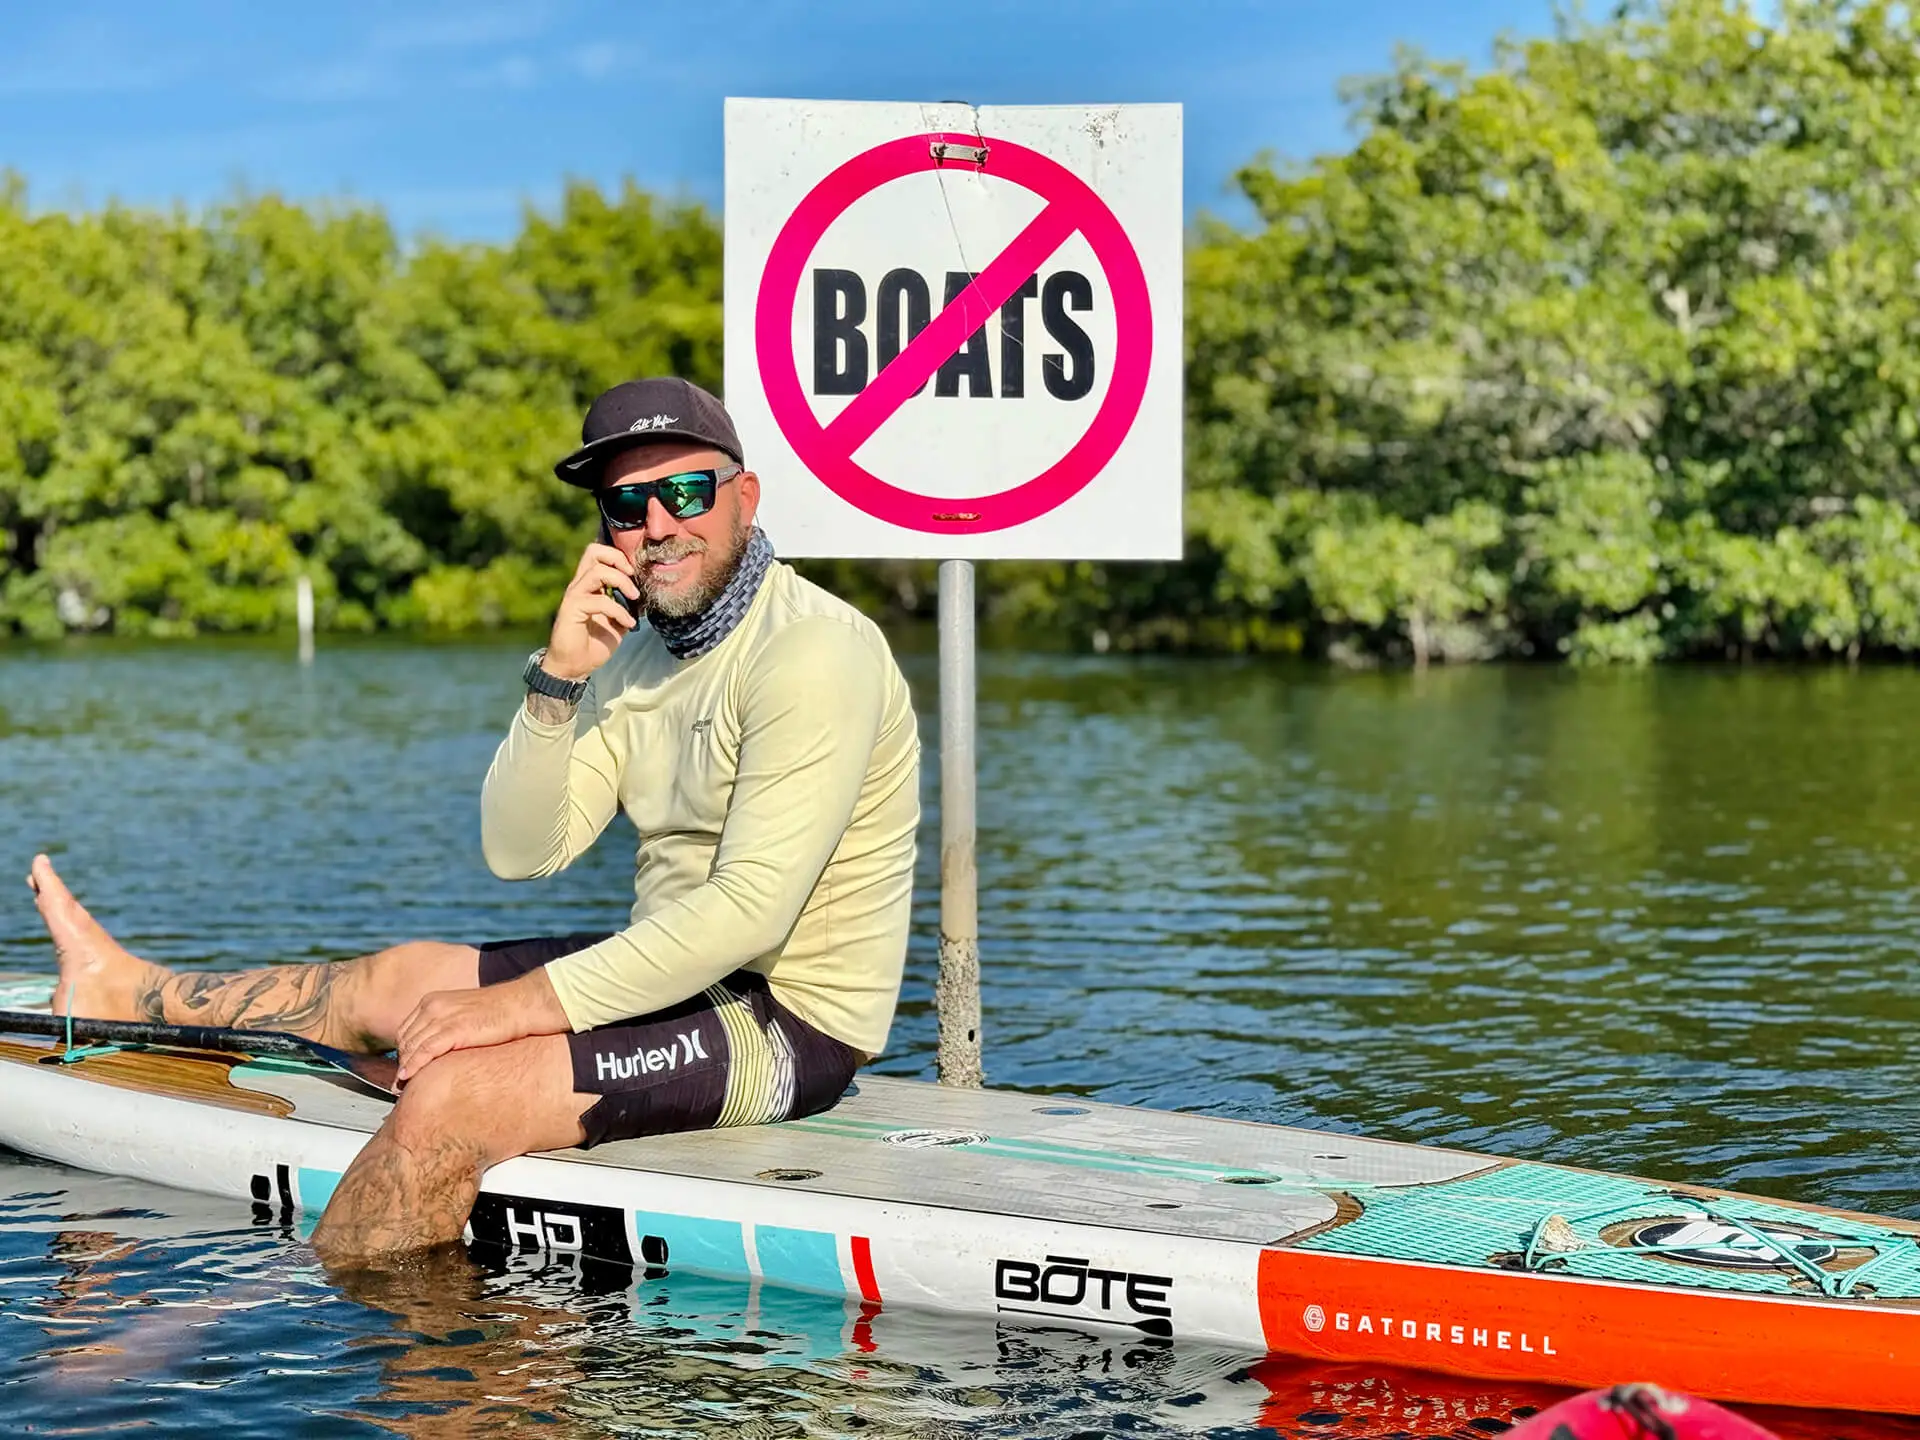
686, 636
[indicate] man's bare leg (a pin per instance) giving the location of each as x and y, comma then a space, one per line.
353, 1004
414, 1184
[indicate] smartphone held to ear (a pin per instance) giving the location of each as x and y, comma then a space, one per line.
631, 605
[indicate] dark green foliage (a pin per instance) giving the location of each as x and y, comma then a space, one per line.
193, 412
1611, 352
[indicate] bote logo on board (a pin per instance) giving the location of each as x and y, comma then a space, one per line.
1064, 1288
852, 341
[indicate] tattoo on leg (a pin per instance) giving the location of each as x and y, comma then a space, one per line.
149, 999
298, 998
196, 992
306, 1005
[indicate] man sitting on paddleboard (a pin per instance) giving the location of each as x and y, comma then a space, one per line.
759, 735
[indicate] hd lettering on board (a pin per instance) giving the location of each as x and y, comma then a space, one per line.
523, 1234
542, 1230
552, 1227
853, 339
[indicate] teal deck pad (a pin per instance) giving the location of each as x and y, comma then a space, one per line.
1498, 1213
35, 994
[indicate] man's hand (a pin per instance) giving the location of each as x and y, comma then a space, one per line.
469, 1019
591, 623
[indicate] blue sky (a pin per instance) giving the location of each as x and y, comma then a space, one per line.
454, 116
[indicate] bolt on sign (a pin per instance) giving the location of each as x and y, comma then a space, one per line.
954, 332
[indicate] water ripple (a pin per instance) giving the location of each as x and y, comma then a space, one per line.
1659, 923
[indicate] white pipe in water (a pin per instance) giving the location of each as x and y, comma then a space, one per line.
303, 615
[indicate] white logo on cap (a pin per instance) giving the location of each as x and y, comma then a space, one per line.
653, 422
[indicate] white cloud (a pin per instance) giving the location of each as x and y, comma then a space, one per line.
397, 56
597, 61
91, 58
462, 30
263, 148
353, 79
511, 72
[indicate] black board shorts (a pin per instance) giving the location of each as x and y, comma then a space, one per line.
731, 1055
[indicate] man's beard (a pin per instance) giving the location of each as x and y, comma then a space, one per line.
714, 575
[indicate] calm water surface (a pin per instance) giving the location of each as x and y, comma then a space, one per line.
1658, 922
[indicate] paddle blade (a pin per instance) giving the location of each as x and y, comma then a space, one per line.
380, 1071
374, 1071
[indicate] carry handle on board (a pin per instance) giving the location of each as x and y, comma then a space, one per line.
376, 1071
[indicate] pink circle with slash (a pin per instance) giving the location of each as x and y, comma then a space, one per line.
827, 450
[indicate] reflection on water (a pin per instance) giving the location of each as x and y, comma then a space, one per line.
1662, 922
114, 1310
1657, 922
122, 1314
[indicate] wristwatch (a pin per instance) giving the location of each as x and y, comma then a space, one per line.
541, 683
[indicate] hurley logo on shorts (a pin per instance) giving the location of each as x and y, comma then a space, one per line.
686, 1048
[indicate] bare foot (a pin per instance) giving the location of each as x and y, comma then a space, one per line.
97, 977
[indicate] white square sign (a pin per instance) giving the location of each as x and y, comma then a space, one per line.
955, 332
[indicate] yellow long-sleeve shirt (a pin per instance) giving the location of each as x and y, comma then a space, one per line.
774, 781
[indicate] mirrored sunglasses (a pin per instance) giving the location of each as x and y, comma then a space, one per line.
683, 496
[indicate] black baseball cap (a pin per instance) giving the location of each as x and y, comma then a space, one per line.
639, 412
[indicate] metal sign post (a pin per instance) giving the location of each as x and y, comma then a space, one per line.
957, 988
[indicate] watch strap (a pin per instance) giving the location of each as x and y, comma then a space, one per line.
541, 683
